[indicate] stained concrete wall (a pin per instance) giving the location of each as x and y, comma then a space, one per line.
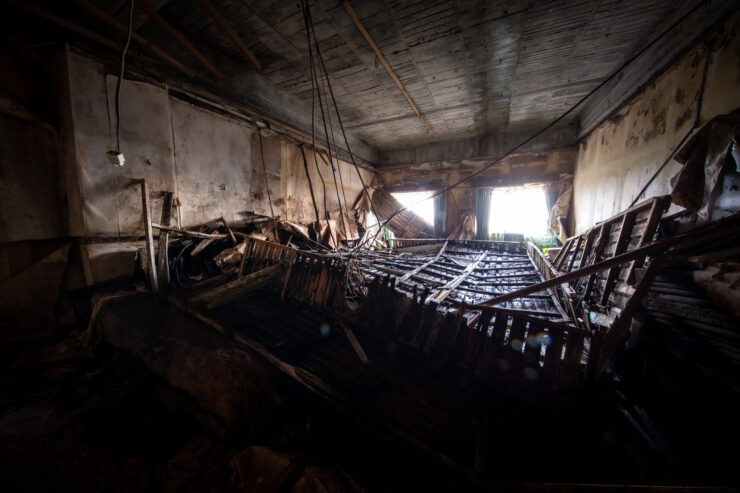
620, 155
212, 163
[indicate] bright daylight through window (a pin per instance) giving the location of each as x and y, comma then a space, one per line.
520, 210
419, 203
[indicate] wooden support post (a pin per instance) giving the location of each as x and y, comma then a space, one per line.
107, 19
177, 36
229, 32
149, 263
163, 264
385, 63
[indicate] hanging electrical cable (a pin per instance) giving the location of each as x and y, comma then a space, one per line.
328, 141
267, 186
313, 125
116, 157
341, 125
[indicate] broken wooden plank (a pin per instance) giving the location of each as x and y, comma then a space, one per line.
231, 233
445, 290
177, 36
356, 345
149, 262
201, 246
303, 377
408, 275
163, 264
196, 234
232, 291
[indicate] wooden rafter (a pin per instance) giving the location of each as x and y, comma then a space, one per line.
140, 40
229, 31
385, 63
178, 36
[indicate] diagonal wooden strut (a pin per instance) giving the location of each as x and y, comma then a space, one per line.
443, 292
591, 269
385, 63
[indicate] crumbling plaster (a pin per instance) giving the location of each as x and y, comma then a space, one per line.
620, 155
211, 162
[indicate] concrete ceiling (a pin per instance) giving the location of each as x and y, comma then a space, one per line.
474, 68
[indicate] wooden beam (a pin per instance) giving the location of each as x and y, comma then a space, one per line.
385, 63
443, 292
107, 19
591, 269
149, 263
177, 36
229, 32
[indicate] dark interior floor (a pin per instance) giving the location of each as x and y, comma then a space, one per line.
100, 420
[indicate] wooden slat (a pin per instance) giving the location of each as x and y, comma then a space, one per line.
445, 290
622, 240
597, 267
229, 32
178, 36
408, 275
656, 212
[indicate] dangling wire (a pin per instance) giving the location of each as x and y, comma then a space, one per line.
267, 186
314, 90
341, 126
120, 77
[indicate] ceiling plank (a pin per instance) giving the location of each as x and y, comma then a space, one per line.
385, 63
229, 31
107, 19
178, 36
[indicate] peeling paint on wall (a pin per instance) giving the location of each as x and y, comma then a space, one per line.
620, 156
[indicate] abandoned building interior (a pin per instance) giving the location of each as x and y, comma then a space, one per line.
369, 245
